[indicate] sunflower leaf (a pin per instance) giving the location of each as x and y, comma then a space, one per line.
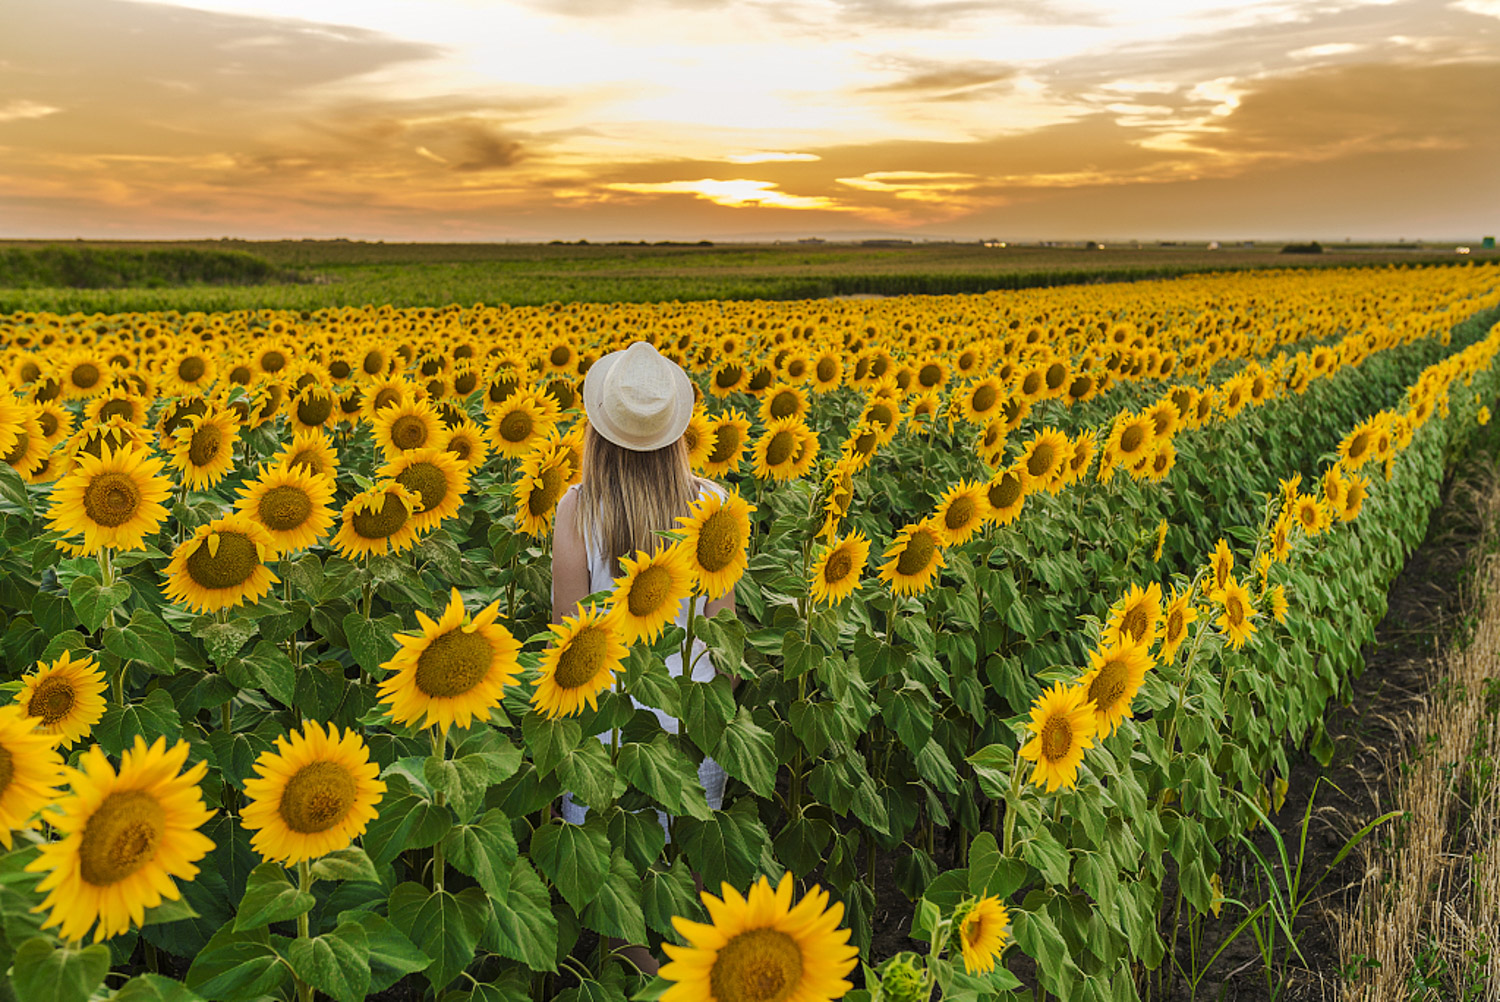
616, 910
237, 967
372, 641
223, 641
485, 851
522, 926
392, 955
549, 741
94, 602
155, 988
665, 893
351, 863
42, 972
336, 963
270, 896
746, 752
155, 716
145, 639
574, 857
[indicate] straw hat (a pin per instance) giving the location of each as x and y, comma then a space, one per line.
638, 399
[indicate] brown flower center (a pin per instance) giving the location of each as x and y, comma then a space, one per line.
649, 591
85, 375
191, 369
1040, 462
427, 481
838, 566
205, 445
283, 508
51, 701
1057, 738
273, 361
780, 448
727, 443
317, 798
111, 499
120, 837
581, 660
960, 513
230, 567
761, 965
718, 541
516, 426
381, 524
454, 663
984, 398
784, 404
1109, 686
314, 408
916, 555
828, 369
408, 432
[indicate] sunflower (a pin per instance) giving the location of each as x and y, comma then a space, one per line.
1006, 494
520, 422
859, 448
1080, 458
125, 836
540, 484
393, 391
293, 504
28, 783
836, 572
827, 371
1222, 566
56, 421
466, 443
203, 448
785, 451
838, 487
28, 449
83, 374
982, 934
66, 698
1116, 673
1354, 498
1358, 447
699, 436
716, 537
913, 559
961, 511
436, 477
379, 520
1159, 461
649, 593
313, 408
221, 565
1161, 540
120, 402
1063, 724
729, 377
922, 410
761, 948
404, 427
990, 445
1310, 514
981, 402
311, 451
1179, 616
272, 358
1281, 536
585, 655
1045, 457
730, 431
1131, 438
1135, 617
1235, 621
311, 796
114, 500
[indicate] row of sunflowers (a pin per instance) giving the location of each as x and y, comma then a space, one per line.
291, 720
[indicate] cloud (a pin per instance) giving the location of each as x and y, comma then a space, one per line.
768, 157
21, 110
931, 80
734, 193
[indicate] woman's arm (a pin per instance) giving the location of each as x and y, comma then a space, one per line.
570, 561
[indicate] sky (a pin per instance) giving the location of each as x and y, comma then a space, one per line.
528, 120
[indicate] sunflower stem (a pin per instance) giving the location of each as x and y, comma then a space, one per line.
305, 991
1009, 840
439, 751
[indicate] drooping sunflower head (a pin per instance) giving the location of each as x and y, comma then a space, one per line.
1063, 726
585, 655
314, 794
913, 560
650, 592
982, 934
435, 477
126, 838
1080, 458
1279, 604
453, 672
113, 500
379, 520
961, 511
221, 565
1179, 616
1161, 540
1116, 673
716, 537
836, 571
314, 407
1236, 621
293, 505
117, 402
762, 947
1221, 566
540, 484
65, 698
203, 448
1136, 617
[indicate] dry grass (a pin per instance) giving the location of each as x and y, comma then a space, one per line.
1425, 921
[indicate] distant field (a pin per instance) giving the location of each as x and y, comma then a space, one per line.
349, 273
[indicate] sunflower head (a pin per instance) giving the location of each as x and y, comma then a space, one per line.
114, 500
1179, 616
30, 774
582, 662
1136, 617
1116, 673
222, 565
836, 572
65, 698
379, 520
961, 511
292, 504
913, 560
436, 477
1236, 621
650, 592
716, 537
1063, 725
981, 929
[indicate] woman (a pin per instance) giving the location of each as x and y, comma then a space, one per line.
636, 483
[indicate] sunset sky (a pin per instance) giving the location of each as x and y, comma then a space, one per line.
688, 119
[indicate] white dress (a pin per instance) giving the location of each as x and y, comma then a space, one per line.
602, 578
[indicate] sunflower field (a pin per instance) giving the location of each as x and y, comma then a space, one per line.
1036, 593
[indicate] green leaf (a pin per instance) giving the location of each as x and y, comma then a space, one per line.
145, 639
223, 641
444, 925
13, 489
351, 863
990, 872
155, 716
639, 833
706, 708
237, 967
372, 641
587, 773
665, 893
746, 752
42, 972
485, 851
266, 667
336, 963
728, 846
616, 910
405, 822
270, 896
154, 988
392, 955
169, 911
524, 926
574, 857
93, 602
725, 636
549, 740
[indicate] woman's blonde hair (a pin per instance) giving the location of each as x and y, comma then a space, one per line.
627, 497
